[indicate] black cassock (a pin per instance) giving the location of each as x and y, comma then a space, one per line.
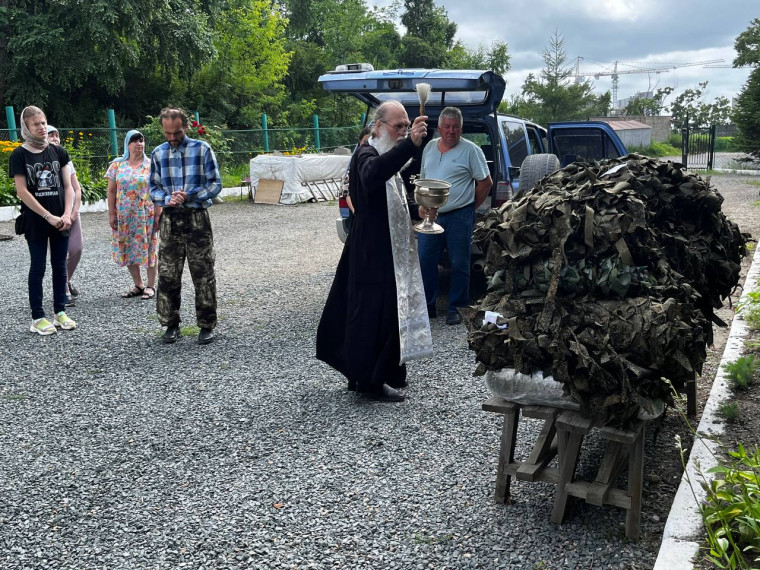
358, 333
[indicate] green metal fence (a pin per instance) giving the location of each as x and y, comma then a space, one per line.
242, 145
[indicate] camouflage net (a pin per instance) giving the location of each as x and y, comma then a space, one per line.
607, 275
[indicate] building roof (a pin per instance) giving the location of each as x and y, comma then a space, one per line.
624, 125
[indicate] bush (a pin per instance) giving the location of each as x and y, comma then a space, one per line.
232, 175
729, 411
91, 178
741, 372
154, 135
7, 186
732, 512
656, 149
725, 144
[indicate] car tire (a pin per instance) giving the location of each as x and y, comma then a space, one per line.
534, 168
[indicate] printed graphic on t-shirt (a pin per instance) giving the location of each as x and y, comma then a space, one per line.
44, 177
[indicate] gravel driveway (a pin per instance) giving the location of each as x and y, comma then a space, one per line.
117, 451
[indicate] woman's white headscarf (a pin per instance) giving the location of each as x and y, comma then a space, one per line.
32, 141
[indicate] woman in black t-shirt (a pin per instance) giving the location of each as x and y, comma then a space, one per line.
43, 184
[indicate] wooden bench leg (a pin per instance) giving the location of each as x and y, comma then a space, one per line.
506, 456
691, 398
635, 477
542, 453
569, 450
611, 466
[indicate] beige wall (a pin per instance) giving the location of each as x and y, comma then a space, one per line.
660, 125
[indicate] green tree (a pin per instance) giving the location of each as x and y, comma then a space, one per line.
322, 34
691, 105
245, 76
747, 45
494, 58
74, 58
649, 106
429, 34
746, 113
555, 96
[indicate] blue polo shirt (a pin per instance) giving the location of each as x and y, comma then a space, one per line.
461, 167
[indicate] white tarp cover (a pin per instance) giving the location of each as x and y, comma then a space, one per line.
295, 170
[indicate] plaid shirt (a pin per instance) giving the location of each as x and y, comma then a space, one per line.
191, 166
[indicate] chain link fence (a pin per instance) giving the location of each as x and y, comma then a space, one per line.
242, 145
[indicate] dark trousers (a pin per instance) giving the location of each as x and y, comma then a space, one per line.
186, 234
457, 238
59, 247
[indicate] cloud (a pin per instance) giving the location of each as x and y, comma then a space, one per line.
638, 34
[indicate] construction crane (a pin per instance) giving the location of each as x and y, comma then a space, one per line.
615, 73
729, 66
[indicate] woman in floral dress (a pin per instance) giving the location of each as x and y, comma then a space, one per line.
133, 217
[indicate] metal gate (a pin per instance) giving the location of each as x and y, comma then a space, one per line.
697, 146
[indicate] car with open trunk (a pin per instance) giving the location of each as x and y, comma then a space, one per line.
518, 152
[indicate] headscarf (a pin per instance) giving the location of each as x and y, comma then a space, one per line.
51, 128
125, 156
33, 142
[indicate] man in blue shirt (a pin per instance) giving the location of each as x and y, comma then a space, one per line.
184, 177
462, 164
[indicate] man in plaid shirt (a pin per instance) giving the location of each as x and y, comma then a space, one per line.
184, 177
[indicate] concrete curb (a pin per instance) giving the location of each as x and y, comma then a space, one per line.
683, 529
738, 172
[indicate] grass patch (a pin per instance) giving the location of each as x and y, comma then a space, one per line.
236, 198
190, 330
753, 183
741, 372
16, 397
751, 309
729, 411
656, 149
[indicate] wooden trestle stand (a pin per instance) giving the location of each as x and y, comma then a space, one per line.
562, 436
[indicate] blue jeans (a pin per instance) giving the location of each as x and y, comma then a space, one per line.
59, 247
458, 240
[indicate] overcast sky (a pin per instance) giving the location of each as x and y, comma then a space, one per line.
639, 34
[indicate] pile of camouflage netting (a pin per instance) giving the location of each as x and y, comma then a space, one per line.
607, 275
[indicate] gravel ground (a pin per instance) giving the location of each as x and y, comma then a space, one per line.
117, 451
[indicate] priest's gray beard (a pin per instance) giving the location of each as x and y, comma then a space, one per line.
386, 142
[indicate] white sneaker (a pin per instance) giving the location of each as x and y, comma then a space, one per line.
42, 326
64, 321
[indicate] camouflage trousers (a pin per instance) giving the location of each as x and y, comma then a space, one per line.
186, 233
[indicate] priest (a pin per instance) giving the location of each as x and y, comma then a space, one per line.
375, 318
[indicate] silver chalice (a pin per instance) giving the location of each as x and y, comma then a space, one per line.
430, 193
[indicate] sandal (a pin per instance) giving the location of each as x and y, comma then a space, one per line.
147, 295
133, 292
